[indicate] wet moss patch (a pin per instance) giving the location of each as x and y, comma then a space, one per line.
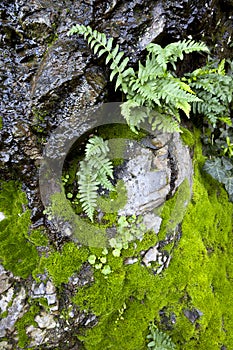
199, 278
17, 254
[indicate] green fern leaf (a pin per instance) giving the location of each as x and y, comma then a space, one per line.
96, 146
88, 185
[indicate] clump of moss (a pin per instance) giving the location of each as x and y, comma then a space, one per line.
26, 320
16, 252
61, 266
199, 277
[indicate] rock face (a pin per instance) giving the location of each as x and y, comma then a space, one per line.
151, 176
47, 78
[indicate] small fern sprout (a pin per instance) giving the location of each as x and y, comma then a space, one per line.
159, 340
94, 170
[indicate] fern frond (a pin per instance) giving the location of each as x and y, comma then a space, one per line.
164, 122
102, 165
88, 185
96, 146
101, 45
133, 114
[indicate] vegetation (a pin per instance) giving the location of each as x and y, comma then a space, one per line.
95, 169
154, 86
159, 340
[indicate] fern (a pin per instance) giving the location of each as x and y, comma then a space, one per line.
153, 85
215, 90
94, 170
88, 185
159, 340
99, 44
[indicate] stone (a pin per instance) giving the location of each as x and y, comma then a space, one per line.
152, 176
193, 315
152, 222
50, 288
38, 290
45, 321
5, 346
14, 311
5, 282
2, 216
151, 255
130, 261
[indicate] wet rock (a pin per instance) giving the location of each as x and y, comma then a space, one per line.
152, 176
193, 315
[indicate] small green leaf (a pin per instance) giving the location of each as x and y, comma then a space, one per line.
106, 270
92, 259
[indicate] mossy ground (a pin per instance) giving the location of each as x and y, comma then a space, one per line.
17, 253
200, 275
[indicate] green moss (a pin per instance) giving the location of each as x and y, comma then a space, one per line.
187, 137
0, 122
200, 276
61, 266
86, 233
174, 209
117, 199
26, 320
38, 238
16, 252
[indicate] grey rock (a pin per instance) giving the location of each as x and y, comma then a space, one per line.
50, 288
150, 176
152, 222
36, 335
38, 290
192, 315
130, 261
5, 299
14, 311
151, 255
5, 346
5, 277
45, 321
51, 299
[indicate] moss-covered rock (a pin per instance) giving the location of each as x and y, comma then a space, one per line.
198, 278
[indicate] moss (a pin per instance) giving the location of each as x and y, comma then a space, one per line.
16, 252
1, 123
117, 199
174, 209
200, 276
38, 238
187, 137
61, 266
26, 320
83, 231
